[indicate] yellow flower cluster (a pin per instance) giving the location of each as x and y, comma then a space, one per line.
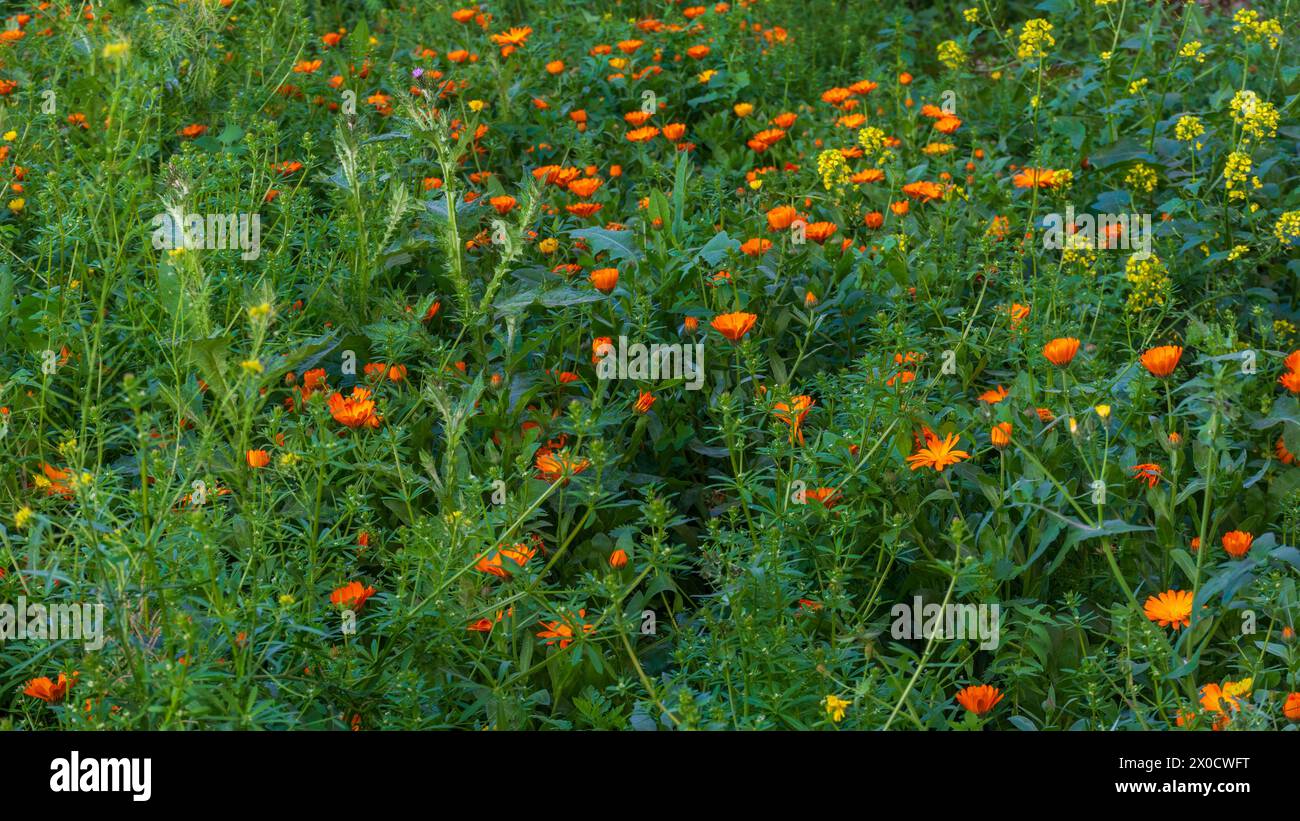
1188, 128
1035, 39
972, 14
1236, 172
1150, 280
833, 168
1193, 50
1258, 118
1287, 229
1141, 178
951, 55
1247, 23
873, 142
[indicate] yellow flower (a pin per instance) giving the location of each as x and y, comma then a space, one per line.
11, 135
259, 311
743, 109
549, 245
115, 51
23, 517
477, 105
251, 366
286, 599
1035, 39
1103, 411
835, 707
17, 204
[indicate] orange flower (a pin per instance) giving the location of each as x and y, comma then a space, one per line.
520, 554
1151, 473
642, 135
1161, 361
644, 401
755, 247
257, 458
1284, 455
1291, 707
351, 596
512, 39
923, 190
1172, 607
780, 217
994, 395
793, 414
47, 690
553, 467
938, 455
1035, 177
618, 559
734, 325
605, 279
979, 699
564, 629
1000, 435
503, 204
1237, 543
355, 411
819, 232
189, 132
585, 187
1060, 351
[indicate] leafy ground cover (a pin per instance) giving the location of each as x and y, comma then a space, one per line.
644, 365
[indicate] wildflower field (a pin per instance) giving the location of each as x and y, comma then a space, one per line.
766, 364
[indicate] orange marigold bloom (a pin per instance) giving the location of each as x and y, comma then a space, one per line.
1283, 455
585, 187
1060, 351
355, 411
605, 279
351, 596
1147, 471
1039, 177
641, 135
644, 401
1161, 361
563, 630
794, 414
552, 466
502, 204
994, 395
923, 190
1291, 707
520, 554
1000, 435
979, 699
1170, 608
257, 458
937, 454
734, 325
780, 217
819, 232
618, 559
47, 690
1237, 543
189, 132
755, 247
